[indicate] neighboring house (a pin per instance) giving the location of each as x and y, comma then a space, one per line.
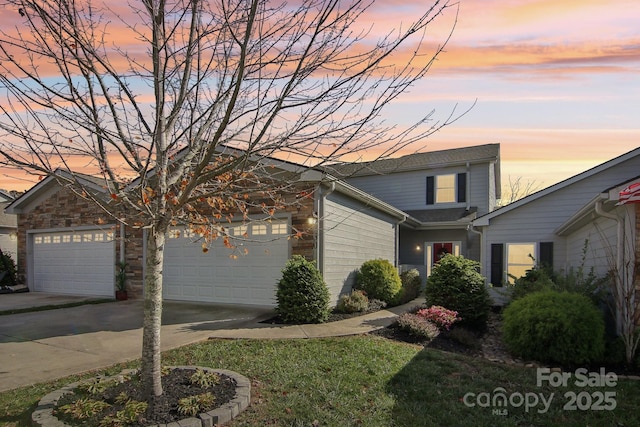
8, 227
551, 226
441, 192
67, 245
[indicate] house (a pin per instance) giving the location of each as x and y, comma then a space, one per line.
441, 192
67, 245
577, 222
8, 227
408, 210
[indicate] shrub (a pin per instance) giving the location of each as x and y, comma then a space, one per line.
535, 280
417, 326
302, 294
551, 326
380, 280
8, 265
354, 302
411, 284
376, 304
439, 316
456, 284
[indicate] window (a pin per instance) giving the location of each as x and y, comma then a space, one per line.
259, 230
240, 230
520, 258
447, 188
279, 228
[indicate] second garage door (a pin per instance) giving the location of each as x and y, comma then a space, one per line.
246, 275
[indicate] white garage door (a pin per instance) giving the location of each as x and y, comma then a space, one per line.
246, 275
73, 262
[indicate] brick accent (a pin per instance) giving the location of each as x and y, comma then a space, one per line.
65, 209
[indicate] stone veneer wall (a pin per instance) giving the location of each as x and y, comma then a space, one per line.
65, 209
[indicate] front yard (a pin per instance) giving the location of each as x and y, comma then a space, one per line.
373, 381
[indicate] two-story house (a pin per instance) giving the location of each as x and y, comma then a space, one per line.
410, 211
441, 192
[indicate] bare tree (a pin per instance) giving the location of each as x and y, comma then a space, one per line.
517, 189
172, 105
623, 261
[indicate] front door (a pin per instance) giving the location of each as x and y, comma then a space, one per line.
435, 251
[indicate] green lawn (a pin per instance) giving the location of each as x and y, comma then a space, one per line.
371, 381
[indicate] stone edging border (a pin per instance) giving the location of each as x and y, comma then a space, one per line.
43, 415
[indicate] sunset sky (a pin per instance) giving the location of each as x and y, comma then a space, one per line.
556, 83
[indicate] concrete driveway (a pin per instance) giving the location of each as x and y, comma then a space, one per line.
46, 345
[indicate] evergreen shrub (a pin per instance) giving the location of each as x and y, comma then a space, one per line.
302, 295
379, 279
552, 326
456, 284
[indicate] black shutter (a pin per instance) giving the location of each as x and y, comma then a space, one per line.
497, 264
431, 190
546, 255
462, 187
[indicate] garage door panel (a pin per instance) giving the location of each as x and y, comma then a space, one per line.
222, 275
68, 262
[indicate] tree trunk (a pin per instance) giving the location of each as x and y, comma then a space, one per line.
151, 363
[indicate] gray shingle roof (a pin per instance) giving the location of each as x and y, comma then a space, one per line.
418, 161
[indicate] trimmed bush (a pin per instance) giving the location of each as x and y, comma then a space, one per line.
411, 284
302, 294
8, 265
456, 284
551, 326
417, 326
354, 302
535, 280
380, 280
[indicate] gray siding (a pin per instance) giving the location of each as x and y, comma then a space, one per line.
353, 233
536, 220
407, 190
600, 236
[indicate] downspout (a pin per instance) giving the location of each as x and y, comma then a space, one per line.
397, 255
467, 195
619, 252
472, 229
320, 224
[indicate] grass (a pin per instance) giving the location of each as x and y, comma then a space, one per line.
369, 381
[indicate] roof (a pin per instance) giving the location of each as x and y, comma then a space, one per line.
485, 219
442, 215
7, 220
419, 161
5, 196
51, 183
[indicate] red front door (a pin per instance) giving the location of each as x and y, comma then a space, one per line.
440, 250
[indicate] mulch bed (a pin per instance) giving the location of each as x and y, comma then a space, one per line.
176, 385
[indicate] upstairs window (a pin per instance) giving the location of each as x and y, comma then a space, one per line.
447, 188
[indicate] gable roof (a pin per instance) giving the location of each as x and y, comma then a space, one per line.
419, 161
5, 196
50, 184
485, 219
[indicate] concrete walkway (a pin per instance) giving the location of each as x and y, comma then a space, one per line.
46, 345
